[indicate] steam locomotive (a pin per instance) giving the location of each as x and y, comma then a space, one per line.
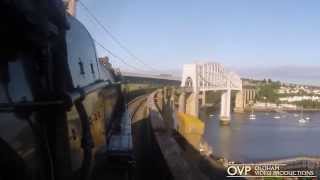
57, 101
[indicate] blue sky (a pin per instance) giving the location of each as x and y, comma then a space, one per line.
245, 35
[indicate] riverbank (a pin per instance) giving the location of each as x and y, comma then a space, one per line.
301, 162
281, 110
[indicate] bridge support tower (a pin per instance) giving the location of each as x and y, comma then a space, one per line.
182, 102
225, 107
192, 104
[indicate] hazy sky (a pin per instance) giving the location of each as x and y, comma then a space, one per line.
245, 35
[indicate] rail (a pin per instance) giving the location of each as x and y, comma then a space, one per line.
140, 100
179, 168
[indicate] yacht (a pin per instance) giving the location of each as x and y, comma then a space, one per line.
302, 120
252, 116
276, 117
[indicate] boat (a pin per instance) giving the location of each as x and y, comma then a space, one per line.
295, 115
211, 115
280, 113
277, 117
302, 120
252, 116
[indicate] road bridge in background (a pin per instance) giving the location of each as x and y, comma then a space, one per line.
157, 79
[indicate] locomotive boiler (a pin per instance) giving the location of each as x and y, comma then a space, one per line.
57, 101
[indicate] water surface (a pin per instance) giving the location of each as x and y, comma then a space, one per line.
264, 138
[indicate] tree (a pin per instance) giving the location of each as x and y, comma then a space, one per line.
269, 91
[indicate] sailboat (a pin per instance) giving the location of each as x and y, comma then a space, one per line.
302, 120
252, 116
277, 117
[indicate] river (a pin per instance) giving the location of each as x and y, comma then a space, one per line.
264, 138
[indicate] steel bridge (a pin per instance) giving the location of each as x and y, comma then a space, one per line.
199, 78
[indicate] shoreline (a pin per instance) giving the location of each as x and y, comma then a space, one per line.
261, 161
282, 110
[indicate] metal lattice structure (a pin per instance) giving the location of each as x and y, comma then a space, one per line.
209, 77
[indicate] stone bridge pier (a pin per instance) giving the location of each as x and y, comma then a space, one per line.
239, 103
189, 103
244, 98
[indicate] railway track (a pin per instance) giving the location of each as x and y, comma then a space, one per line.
135, 104
145, 154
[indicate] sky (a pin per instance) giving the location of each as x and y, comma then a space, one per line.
278, 39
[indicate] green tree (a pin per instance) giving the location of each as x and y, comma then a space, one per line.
268, 92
